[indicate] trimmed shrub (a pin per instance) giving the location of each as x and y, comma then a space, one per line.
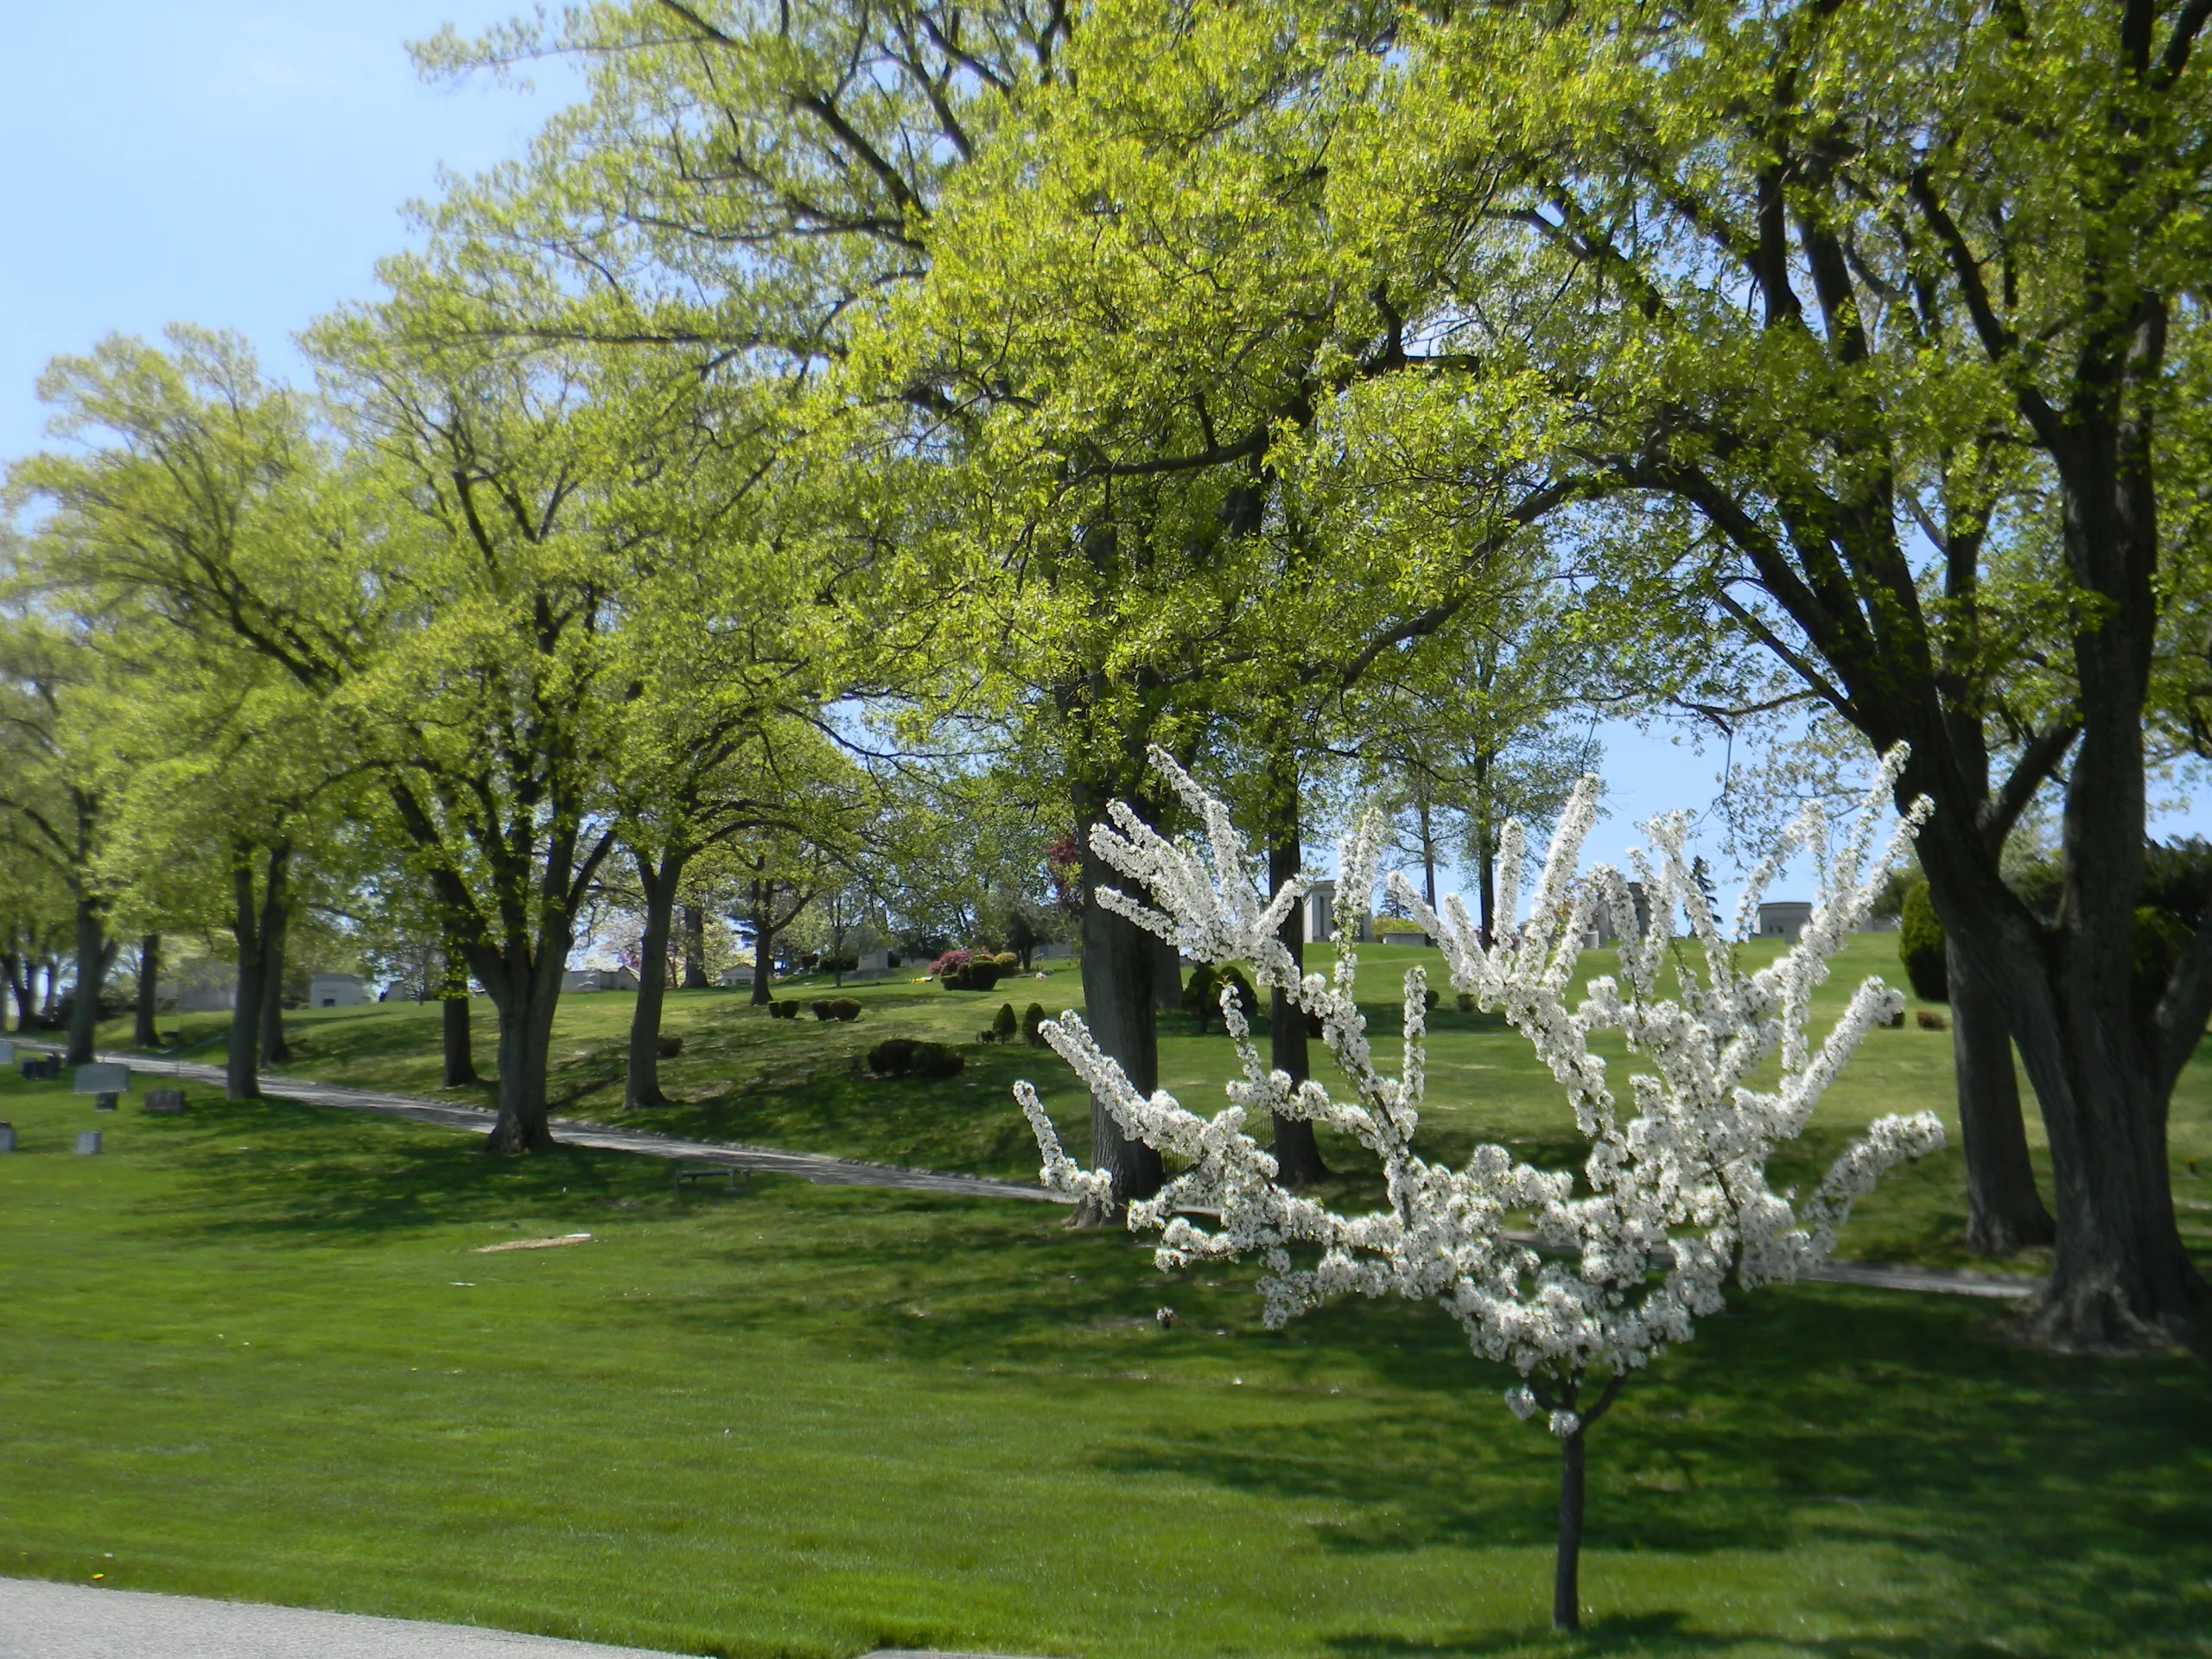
1920, 945
669, 1047
1247, 998
1202, 994
1466, 1001
783, 1010
1932, 1019
938, 1060
1032, 1017
822, 1010
979, 974
1004, 1024
1007, 961
893, 1057
1431, 998
951, 961
986, 1035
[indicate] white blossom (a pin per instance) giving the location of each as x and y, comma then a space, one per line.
1560, 1283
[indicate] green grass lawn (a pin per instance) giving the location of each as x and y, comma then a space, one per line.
797, 1084
253, 1352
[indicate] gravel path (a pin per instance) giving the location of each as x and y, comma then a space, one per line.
854, 1172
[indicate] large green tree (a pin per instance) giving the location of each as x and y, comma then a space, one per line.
1804, 278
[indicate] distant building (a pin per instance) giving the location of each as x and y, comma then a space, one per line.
1052, 950
337, 990
739, 975
1602, 931
598, 979
1321, 915
869, 963
1783, 919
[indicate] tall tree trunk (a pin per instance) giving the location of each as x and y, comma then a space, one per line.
250, 922
641, 1087
527, 992
142, 1034
275, 1051
764, 939
2005, 1213
1117, 994
17, 988
1166, 973
1298, 1154
695, 947
459, 1056
93, 958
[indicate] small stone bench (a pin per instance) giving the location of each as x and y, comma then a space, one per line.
706, 1170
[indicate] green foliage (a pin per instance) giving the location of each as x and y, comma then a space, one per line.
1032, 1018
1920, 945
842, 1008
1004, 1023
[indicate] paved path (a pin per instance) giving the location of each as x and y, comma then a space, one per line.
73, 1621
70, 1621
808, 1166
854, 1172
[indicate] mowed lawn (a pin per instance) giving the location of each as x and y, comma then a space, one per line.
256, 1352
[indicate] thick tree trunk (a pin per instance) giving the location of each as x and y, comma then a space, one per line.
695, 947
251, 924
1298, 1154
641, 1087
1166, 973
92, 961
1567, 1568
525, 1039
459, 1056
763, 942
1117, 994
2005, 1213
275, 1051
142, 1034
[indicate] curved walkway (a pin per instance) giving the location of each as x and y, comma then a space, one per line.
854, 1172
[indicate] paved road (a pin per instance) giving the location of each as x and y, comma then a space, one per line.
70, 1621
853, 1172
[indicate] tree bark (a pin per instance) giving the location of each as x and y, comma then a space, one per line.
764, 939
459, 1056
1298, 1154
1118, 961
695, 947
2005, 1213
18, 970
641, 1086
143, 1033
93, 960
527, 995
1166, 973
250, 922
1567, 1568
275, 1051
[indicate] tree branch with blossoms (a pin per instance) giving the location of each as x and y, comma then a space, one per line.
1674, 1205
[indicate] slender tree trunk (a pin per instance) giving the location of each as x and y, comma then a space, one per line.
1118, 962
1428, 858
2005, 1213
1298, 1154
93, 960
142, 1034
695, 947
641, 1087
1566, 1572
11, 965
275, 1051
459, 1054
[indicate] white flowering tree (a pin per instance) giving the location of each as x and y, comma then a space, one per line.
1576, 1287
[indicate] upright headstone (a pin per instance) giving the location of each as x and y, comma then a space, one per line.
103, 1082
7, 1137
7, 1052
88, 1141
162, 1103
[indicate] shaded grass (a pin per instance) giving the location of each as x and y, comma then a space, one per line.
797, 1083
253, 1353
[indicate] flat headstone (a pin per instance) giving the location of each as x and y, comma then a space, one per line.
7, 1137
88, 1140
102, 1080
164, 1102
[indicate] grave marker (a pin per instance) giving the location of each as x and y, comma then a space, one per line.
7, 1137
88, 1142
103, 1082
162, 1102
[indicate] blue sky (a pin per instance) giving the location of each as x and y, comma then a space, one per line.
243, 165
